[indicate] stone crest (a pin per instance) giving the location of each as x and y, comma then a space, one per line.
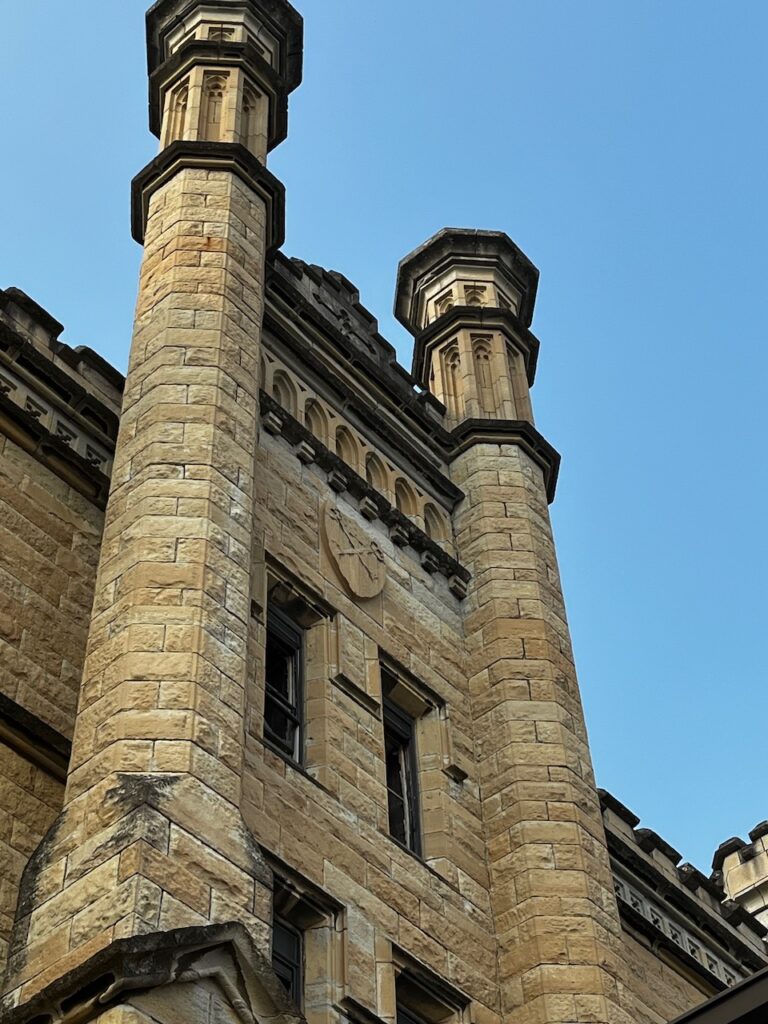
357, 557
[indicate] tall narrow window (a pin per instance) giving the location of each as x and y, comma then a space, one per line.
212, 115
248, 124
284, 684
288, 957
402, 775
482, 352
179, 103
452, 377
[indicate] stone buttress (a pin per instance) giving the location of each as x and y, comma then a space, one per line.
150, 840
468, 297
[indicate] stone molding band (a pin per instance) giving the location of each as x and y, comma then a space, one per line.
476, 318
145, 962
209, 156
225, 55
517, 432
35, 439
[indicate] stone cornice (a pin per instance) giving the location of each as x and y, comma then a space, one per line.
284, 19
210, 156
517, 432
711, 921
476, 318
35, 439
347, 479
227, 55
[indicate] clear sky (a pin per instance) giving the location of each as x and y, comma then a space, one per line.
622, 144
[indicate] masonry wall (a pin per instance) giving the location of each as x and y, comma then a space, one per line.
30, 799
49, 545
323, 825
660, 993
330, 821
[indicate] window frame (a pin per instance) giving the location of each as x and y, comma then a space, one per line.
399, 723
294, 970
287, 632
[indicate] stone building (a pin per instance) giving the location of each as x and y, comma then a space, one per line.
289, 722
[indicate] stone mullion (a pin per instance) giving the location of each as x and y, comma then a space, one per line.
551, 889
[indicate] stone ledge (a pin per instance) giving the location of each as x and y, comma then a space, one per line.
35, 439
285, 425
146, 962
517, 432
210, 156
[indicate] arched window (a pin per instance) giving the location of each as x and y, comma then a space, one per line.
376, 474
284, 392
347, 448
179, 104
453, 384
249, 119
212, 113
444, 304
434, 523
475, 294
484, 374
221, 33
316, 421
405, 499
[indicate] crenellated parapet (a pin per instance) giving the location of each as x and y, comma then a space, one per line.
59, 404
742, 869
672, 907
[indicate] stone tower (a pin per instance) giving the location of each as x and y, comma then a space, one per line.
151, 840
329, 761
468, 298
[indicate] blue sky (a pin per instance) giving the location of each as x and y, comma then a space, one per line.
623, 146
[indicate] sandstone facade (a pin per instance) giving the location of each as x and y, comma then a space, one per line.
291, 726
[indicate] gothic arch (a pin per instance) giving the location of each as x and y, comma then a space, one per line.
284, 391
376, 473
316, 420
452, 383
405, 499
212, 109
249, 121
347, 448
434, 523
179, 104
483, 358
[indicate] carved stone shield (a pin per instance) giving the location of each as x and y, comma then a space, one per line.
357, 557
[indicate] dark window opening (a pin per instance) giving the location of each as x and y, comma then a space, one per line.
406, 1016
402, 777
288, 957
284, 684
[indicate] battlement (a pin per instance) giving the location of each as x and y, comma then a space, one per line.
676, 907
742, 869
